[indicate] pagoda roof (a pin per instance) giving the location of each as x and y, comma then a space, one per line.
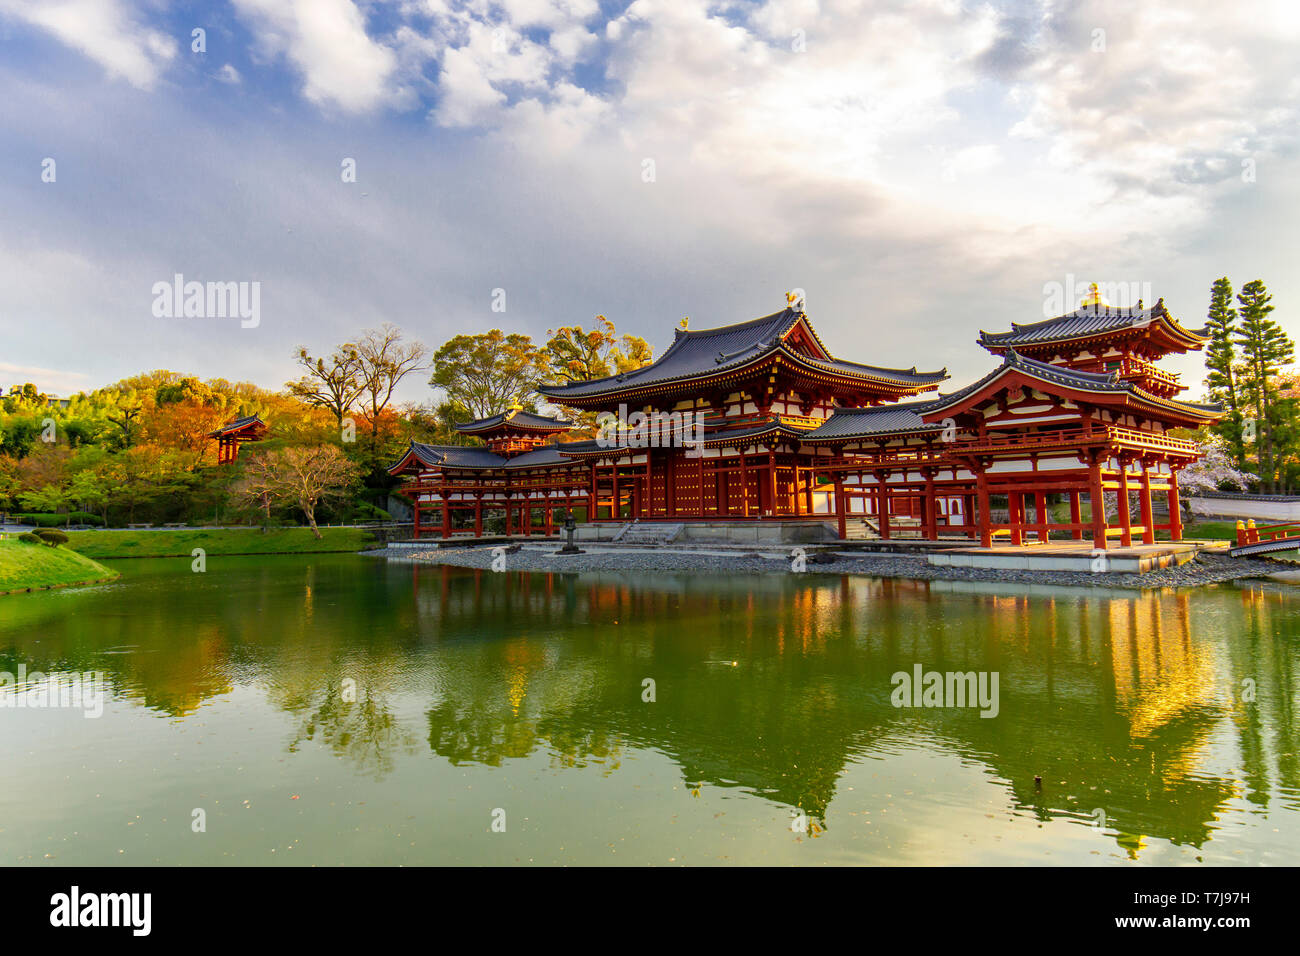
706, 352
846, 423
475, 457
1100, 383
1093, 321
253, 422
514, 418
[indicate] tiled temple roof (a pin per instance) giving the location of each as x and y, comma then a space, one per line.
862, 422
239, 424
1086, 322
709, 351
516, 417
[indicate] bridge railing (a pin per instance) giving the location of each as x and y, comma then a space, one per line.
1250, 533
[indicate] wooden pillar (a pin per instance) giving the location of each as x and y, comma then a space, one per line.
616, 509
1145, 509
550, 519
841, 507
1076, 516
700, 511
446, 515
771, 482
478, 516
415, 533
527, 515
509, 517
985, 517
810, 478
1015, 515
591, 496
929, 510
1125, 520
744, 486
1175, 515
882, 497
1098, 501
1040, 511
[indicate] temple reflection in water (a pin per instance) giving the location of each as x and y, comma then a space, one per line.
1139, 703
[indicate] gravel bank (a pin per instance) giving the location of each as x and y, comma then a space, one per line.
1206, 569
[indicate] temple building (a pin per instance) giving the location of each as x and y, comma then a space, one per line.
759, 422
234, 433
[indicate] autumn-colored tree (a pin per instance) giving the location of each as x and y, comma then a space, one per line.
309, 477
384, 360
576, 354
334, 384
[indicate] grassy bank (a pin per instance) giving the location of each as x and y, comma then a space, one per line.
148, 543
24, 566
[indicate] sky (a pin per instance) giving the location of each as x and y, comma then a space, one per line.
921, 169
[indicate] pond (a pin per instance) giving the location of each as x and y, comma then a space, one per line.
339, 709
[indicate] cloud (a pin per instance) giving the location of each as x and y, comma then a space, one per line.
326, 40
104, 31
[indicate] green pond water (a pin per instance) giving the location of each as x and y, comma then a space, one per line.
343, 710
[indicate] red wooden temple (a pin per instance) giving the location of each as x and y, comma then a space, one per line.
232, 434
759, 422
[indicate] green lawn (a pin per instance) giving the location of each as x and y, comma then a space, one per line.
148, 543
24, 566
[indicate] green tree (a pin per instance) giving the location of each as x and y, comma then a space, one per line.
576, 354
1224, 369
489, 372
1265, 350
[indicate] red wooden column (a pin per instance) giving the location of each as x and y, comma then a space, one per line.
744, 486
985, 516
1016, 516
1175, 515
700, 511
478, 516
415, 533
550, 519
810, 479
841, 507
591, 495
1040, 511
446, 515
1076, 516
527, 514
882, 496
1144, 504
616, 509
1125, 519
509, 517
1098, 500
771, 482
929, 509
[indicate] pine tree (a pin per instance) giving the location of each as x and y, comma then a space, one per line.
1265, 349
1222, 363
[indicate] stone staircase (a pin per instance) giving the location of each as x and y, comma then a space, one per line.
648, 534
860, 529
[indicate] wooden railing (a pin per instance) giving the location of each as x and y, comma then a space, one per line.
1250, 533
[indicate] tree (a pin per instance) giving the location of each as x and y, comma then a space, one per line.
384, 360
489, 372
1224, 369
1265, 349
335, 384
576, 354
309, 477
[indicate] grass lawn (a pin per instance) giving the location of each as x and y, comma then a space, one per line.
148, 543
24, 566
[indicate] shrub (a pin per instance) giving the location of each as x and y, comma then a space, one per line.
29, 538
52, 538
54, 521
